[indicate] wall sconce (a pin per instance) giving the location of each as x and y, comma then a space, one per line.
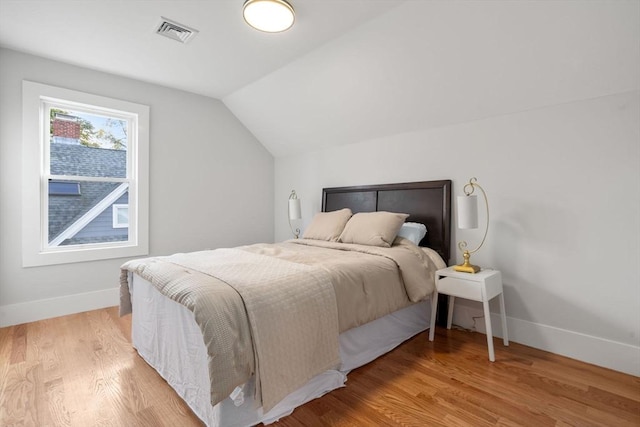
295, 212
468, 219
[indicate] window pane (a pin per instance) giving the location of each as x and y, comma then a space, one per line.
87, 218
85, 144
64, 188
123, 216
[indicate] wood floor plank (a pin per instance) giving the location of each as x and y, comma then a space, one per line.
6, 339
19, 344
44, 345
89, 396
81, 370
20, 402
57, 413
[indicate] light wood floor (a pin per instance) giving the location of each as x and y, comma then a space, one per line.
81, 370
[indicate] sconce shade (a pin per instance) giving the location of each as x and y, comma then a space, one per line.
294, 209
271, 16
294, 212
467, 212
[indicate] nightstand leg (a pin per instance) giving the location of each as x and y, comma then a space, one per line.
434, 307
450, 312
503, 314
487, 322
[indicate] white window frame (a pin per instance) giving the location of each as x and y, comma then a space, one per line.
36, 250
116, 210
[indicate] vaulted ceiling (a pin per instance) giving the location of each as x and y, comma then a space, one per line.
349, 70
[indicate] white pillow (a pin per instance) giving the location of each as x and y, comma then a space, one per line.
413, 231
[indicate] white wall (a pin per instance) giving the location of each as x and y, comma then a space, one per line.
211, 185
428, 64
564, 189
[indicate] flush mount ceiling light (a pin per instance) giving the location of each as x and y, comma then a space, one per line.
271, 16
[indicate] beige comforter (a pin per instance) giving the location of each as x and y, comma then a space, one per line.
275, 310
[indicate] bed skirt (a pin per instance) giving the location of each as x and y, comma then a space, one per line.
167, 337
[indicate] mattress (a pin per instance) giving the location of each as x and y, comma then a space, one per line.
166, 335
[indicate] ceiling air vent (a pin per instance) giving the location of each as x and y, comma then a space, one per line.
175, 31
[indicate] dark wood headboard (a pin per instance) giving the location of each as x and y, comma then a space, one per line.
427, 202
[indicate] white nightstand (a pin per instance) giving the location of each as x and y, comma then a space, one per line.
481, 286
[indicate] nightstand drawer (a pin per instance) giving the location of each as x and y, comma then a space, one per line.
460, 288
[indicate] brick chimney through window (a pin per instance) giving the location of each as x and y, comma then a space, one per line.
66, 129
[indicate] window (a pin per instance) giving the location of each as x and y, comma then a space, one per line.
120, 216
85, 176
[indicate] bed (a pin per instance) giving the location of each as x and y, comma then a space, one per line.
168, 333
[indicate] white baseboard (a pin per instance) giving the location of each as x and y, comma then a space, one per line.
15, 314
586, 348
598, 351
